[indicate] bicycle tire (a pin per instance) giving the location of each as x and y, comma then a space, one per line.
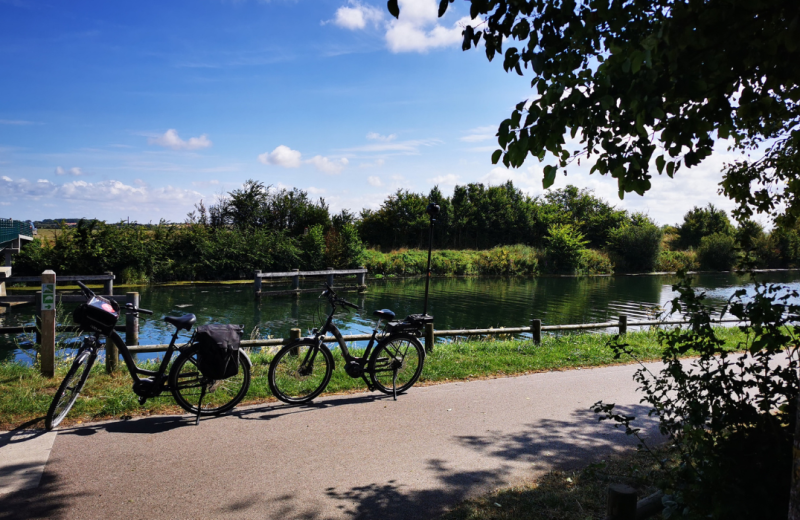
66, 395
291, 380
401, 351
186, 383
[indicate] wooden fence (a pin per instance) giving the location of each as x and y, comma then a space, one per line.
295, 274
430, 334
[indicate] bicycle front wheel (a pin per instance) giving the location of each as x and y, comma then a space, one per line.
70, 388
300, 372
188, 386
396, 364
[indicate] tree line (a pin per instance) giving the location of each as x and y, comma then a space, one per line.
261, 227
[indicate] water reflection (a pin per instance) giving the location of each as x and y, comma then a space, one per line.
455, 302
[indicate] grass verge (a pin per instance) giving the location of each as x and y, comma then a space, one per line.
25, 395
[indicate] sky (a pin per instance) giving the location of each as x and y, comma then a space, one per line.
138, 110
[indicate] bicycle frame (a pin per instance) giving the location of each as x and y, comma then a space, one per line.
159, 376
329, 326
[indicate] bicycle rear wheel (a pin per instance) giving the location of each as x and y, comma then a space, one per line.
300, 372
218, 395
70, 388
399, 356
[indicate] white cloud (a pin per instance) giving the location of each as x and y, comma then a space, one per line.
407, 147
450, 179
374, 181
356, 15
171, 140
482, 133
109, 193
417, 29
75, 172
282, 156
288, 158
325, 165
315, 191
374, 136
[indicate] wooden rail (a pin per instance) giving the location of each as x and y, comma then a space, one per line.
295, 274
459, 332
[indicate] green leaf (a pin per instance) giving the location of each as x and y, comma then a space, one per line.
660, 163
549, 176
394, 9
443, 7
496, 156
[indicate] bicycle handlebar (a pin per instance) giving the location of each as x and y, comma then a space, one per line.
334, 300
90, 294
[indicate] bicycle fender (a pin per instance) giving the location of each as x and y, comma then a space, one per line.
322, 346
246, 358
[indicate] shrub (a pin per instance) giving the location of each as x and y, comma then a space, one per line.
312, 247
717, 252
702, 222
635, 248
730, 414
596, 262
674, 261
565, 246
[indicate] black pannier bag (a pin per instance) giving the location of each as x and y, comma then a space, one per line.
97, 315
218, 350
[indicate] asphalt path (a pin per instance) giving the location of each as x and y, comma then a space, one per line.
349, 456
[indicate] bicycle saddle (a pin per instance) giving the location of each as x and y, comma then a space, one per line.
182, 322
384, 314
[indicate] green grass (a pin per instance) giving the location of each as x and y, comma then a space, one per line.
25, 395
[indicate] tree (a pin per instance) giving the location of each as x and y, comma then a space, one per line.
647, 81
702, 222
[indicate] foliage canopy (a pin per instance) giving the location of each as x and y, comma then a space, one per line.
643, 81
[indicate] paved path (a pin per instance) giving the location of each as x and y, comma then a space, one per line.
355, 456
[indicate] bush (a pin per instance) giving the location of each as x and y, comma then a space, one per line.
635, 248
730, 414
596, 262
702, 222
717, 252
312, 247
674, 261
565, 246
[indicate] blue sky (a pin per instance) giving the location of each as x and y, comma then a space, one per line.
138, 110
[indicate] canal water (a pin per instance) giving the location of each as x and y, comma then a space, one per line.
455, 303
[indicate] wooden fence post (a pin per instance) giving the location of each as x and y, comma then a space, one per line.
131, 321
623, 324
257, 283
47, 309
293, 335
108, 285
296, 281
430, 339
361, 278
536, 331
621, 502
330, 277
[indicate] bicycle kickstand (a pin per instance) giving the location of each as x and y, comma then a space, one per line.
394, 383
200, 404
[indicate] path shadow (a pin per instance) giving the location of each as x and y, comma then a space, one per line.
280, 409
48, 500
543, 445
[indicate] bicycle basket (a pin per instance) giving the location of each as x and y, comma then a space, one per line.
218, 350
97, 315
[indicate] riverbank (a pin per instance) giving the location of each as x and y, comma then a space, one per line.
25, 395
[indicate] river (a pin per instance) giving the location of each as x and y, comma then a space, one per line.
456, 303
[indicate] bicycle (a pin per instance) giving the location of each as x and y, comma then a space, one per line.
302, 369
192, 391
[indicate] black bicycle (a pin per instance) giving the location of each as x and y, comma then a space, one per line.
194, 392
301, 370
